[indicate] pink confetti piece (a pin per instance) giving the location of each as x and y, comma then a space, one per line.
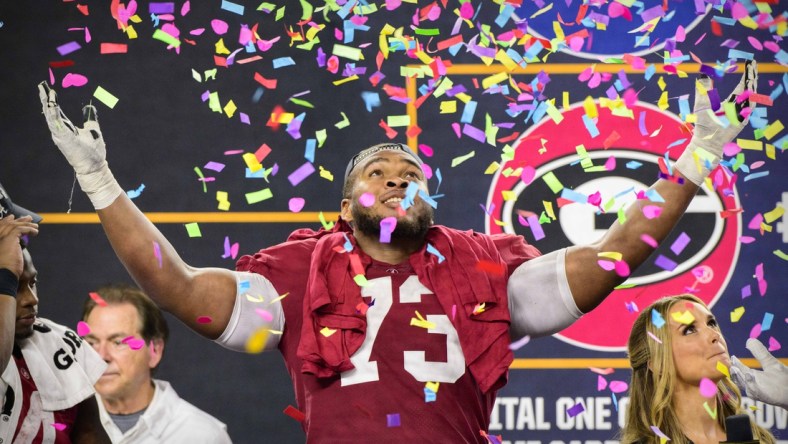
367, 200
204, 320
652, 336
83, 329
602, 371
606, 265
755, 222
453, 312
618, 386
519, 343
746, 239
774, 345
528, 174
652, 211
427, 170
659, 433
264, 314
133, 343
157, 252
755, 331
649, 240
622, 268
601, 383
59, 426
296, 204
610, 163
731, 149
708, 389
72, 79
219, 27
466, 10
387, 226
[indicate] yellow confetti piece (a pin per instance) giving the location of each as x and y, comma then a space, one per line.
256, 341
345, 122
345, 80
166, 38
221, 48
254, 299
193, 229
773, 215
360, 280
747, 144
548, 207
230, 108
434, 386
325, 331
780, 254
614, 255
325, 174
280, 298
565, 100
460, 159
736, 314
553, 112
589, 106
663, 101
252, 163
347, 52
105, 97
398, 121
723, 369
685, 318
770, 151
543, 10
479, 308
448, 107
494, 79
131, 32
492, 168
419, 321
508, 195
661, 83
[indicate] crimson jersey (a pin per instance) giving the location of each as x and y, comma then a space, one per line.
410, 341
63, 419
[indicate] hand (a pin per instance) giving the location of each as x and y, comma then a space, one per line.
705, 148
11, 229
84, 148
769, 385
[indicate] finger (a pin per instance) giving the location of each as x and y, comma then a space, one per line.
702, 88
89, 113
759, 351
56, 119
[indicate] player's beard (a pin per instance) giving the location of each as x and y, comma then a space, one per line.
407, 229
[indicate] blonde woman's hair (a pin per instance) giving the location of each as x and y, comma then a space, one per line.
654, 379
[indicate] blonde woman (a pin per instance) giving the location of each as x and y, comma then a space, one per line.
675, 343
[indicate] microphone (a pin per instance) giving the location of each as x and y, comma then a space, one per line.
738, 430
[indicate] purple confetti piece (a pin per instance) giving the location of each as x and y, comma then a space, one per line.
68, 48
215, 166
652, 13
387, 226
473, 132
680, 243
392, 420
746, 291
665, 263
301, 173
575, 410
161, 8
536, 228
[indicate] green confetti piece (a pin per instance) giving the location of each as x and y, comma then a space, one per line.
200, 175
427, 31
259, 196
280, 13
460, 159
105, 97
347, 52
360, 280
303, 103
307, 14
397, 121
166, 38
193, 229
553, 182
781, 255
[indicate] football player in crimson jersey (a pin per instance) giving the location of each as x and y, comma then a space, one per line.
393, 328
46, 372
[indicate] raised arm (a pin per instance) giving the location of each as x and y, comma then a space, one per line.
11, 266
589, 283
178, 288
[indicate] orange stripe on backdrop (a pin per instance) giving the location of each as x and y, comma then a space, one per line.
556, 68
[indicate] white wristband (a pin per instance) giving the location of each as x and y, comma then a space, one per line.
101, 187
695, 163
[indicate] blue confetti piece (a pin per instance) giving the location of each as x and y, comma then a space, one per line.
371, 100
754, 176
410, 195
654, 196
657, 319
282, 62
590, 126
135, 193
243, 286
440, 178
574, 196
426, 198
468, 111
434, 251
767, 321
233, 7
309, 152
736, 54
650, 72
634, 164
259, 174
429, 395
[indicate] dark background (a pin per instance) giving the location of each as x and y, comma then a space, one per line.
160, 130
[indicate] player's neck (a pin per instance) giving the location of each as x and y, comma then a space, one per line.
133, 404
395, 252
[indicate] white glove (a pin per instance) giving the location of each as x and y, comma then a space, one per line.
705, 148
83, 148
770, 385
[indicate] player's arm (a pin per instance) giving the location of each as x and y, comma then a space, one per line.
180, 289
11, 265
87, 426
589, 283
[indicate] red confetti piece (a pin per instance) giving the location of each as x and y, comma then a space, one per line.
294, 413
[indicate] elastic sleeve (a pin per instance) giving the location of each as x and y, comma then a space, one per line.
256, 307
540, 301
